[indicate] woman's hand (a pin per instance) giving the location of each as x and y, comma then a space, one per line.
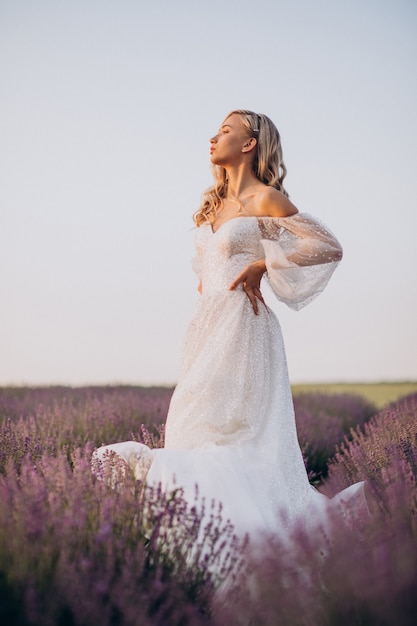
250, 279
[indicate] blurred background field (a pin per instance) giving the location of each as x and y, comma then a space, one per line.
380, 394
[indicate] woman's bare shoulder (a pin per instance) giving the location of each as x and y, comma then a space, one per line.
273, 203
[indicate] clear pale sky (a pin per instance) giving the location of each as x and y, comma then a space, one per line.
107, 109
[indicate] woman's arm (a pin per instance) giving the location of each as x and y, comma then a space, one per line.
301, 254
268, 203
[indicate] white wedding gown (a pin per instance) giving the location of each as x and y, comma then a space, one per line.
230, 427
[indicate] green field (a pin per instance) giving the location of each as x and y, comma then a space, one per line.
378, 393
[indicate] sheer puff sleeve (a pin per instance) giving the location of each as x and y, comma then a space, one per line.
301, 255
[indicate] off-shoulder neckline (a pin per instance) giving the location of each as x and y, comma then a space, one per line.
232, 219
247, 217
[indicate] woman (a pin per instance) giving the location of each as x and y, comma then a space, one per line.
230, 427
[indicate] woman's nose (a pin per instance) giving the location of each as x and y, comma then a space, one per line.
213, 139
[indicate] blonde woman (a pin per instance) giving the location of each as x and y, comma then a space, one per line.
230, 427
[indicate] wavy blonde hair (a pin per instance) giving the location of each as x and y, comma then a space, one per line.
268, 165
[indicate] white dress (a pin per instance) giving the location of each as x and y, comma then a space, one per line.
230, 427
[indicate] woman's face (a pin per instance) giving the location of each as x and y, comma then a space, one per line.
227, 147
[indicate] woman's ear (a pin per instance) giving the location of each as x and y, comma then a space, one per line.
249, 144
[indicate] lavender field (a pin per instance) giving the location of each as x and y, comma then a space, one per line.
74, 551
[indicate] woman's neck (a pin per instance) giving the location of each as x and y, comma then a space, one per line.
240, 179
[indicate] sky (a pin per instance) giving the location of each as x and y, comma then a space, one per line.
107, 110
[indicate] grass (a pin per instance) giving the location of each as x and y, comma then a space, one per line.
380, 394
